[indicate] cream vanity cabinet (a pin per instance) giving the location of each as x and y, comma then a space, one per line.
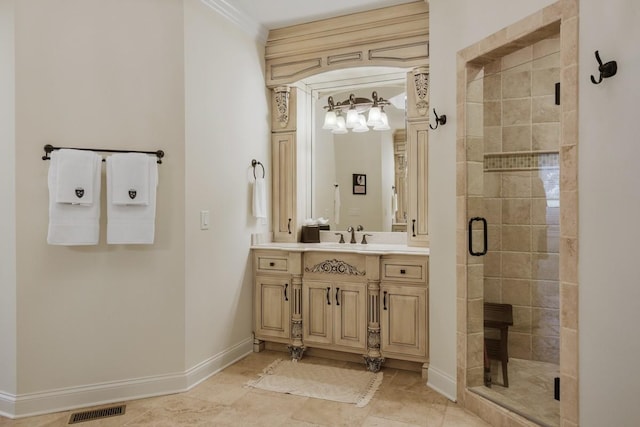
283, 147
417, 168
334, 302
403, 315
274, 276
417, 156
373, 305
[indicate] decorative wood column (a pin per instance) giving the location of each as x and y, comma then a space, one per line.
373, 358
296, 348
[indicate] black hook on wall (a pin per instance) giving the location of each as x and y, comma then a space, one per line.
442, 120
606, 70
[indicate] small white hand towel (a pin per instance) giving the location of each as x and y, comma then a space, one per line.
130, 179
72, 224
132, 224
336, 204
260, 198
76, 170
394, 203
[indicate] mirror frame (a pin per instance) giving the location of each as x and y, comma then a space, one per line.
395, 36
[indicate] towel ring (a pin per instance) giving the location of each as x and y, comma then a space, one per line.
254, 163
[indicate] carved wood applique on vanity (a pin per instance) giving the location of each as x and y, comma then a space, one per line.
390, 36
335, 266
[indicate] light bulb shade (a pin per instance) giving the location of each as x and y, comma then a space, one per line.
330, 120
352, 118
385, 122
375, 118
340, 126
362, 124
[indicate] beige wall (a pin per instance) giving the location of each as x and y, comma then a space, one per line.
100, 75
8, 205
227, 125
92, 321
609, 212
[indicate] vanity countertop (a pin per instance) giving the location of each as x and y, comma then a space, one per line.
370, 248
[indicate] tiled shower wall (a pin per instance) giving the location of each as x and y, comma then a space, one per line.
521, 195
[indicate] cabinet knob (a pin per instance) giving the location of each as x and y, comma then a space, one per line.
403, 271
272, 264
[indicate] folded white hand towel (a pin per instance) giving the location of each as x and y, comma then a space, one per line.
260, 198
394, 203
76, 171
132, 224
336, 204
74, 224
130, 179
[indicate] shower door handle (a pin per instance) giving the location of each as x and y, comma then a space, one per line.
484, 227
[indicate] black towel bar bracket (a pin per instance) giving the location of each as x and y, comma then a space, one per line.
49, 148
255, 163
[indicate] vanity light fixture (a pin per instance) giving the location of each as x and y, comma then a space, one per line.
349, 114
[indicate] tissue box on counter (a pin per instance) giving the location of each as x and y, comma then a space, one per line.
311, 233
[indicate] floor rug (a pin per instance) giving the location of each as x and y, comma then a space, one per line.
319, 381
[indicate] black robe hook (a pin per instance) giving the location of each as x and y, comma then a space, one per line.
442, 120
606, 70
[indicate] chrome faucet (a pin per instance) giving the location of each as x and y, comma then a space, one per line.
352, 230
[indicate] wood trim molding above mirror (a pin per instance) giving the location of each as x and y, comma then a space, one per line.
396, 36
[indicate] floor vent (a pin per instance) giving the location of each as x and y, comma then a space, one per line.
95, 414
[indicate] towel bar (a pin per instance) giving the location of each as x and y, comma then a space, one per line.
49, 148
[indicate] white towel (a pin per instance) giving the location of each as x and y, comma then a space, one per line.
74, 224
336, 204
260, 198
130, 179
394, 203
132, 224
76, 170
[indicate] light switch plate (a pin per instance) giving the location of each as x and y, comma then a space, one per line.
204, 220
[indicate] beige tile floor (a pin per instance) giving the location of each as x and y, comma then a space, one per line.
223, 400
530, 391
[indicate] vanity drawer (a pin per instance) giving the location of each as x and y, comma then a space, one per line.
271, 263
405, 270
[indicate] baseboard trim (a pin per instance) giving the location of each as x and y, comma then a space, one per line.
442, 383
7, 404
30, 404
218, 362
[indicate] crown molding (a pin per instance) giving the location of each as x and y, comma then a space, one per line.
239, 18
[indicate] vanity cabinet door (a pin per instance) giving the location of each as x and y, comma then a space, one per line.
417, 167
284, 186
317, 312
403, 321
334, 314
272, 308
350, 315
